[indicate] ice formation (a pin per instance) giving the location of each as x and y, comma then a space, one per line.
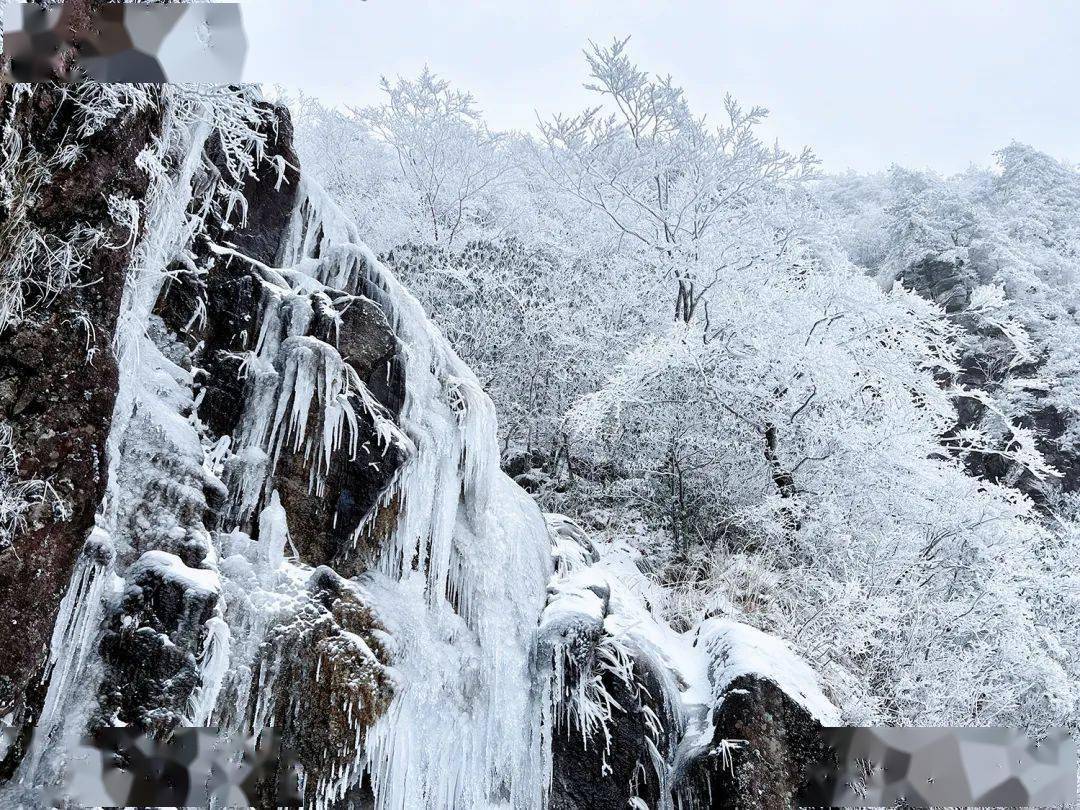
479, 628
72, 642
273, 535
461, 580
459, 585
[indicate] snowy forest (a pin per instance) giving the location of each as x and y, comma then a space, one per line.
560, 468
839, 408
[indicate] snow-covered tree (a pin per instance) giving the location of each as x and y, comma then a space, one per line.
444, 153
675, 189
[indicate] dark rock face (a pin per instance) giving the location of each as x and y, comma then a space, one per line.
776, 743
230, 292
147, 646
583, 778
58, 377
270, 197
947, 284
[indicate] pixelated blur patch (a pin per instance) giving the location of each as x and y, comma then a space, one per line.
124, 42
195, 767
943, 767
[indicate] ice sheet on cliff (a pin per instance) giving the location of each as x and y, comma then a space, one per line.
462, 576
463, 583
460, 581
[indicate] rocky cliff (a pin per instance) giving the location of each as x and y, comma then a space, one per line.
248, 484
1003, 358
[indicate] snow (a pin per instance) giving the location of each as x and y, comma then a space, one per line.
571, 547
171, 569
246, 471
213, 667
736, 649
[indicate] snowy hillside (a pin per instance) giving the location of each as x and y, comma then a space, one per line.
599, 467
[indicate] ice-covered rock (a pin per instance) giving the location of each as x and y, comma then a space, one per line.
324, 678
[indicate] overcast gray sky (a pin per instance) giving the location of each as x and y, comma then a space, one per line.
864, 82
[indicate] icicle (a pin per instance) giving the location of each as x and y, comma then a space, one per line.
299, 392
246, 473
313, 371
273, 535
213, 665
72, 641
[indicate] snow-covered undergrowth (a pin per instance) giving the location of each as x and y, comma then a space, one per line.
602, 617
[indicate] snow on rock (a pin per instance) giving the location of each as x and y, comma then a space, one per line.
571, 546
170, 569
614, 660
324, 678
734, 649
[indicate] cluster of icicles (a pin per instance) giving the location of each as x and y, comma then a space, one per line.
461, 581
459, 585
287, 371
